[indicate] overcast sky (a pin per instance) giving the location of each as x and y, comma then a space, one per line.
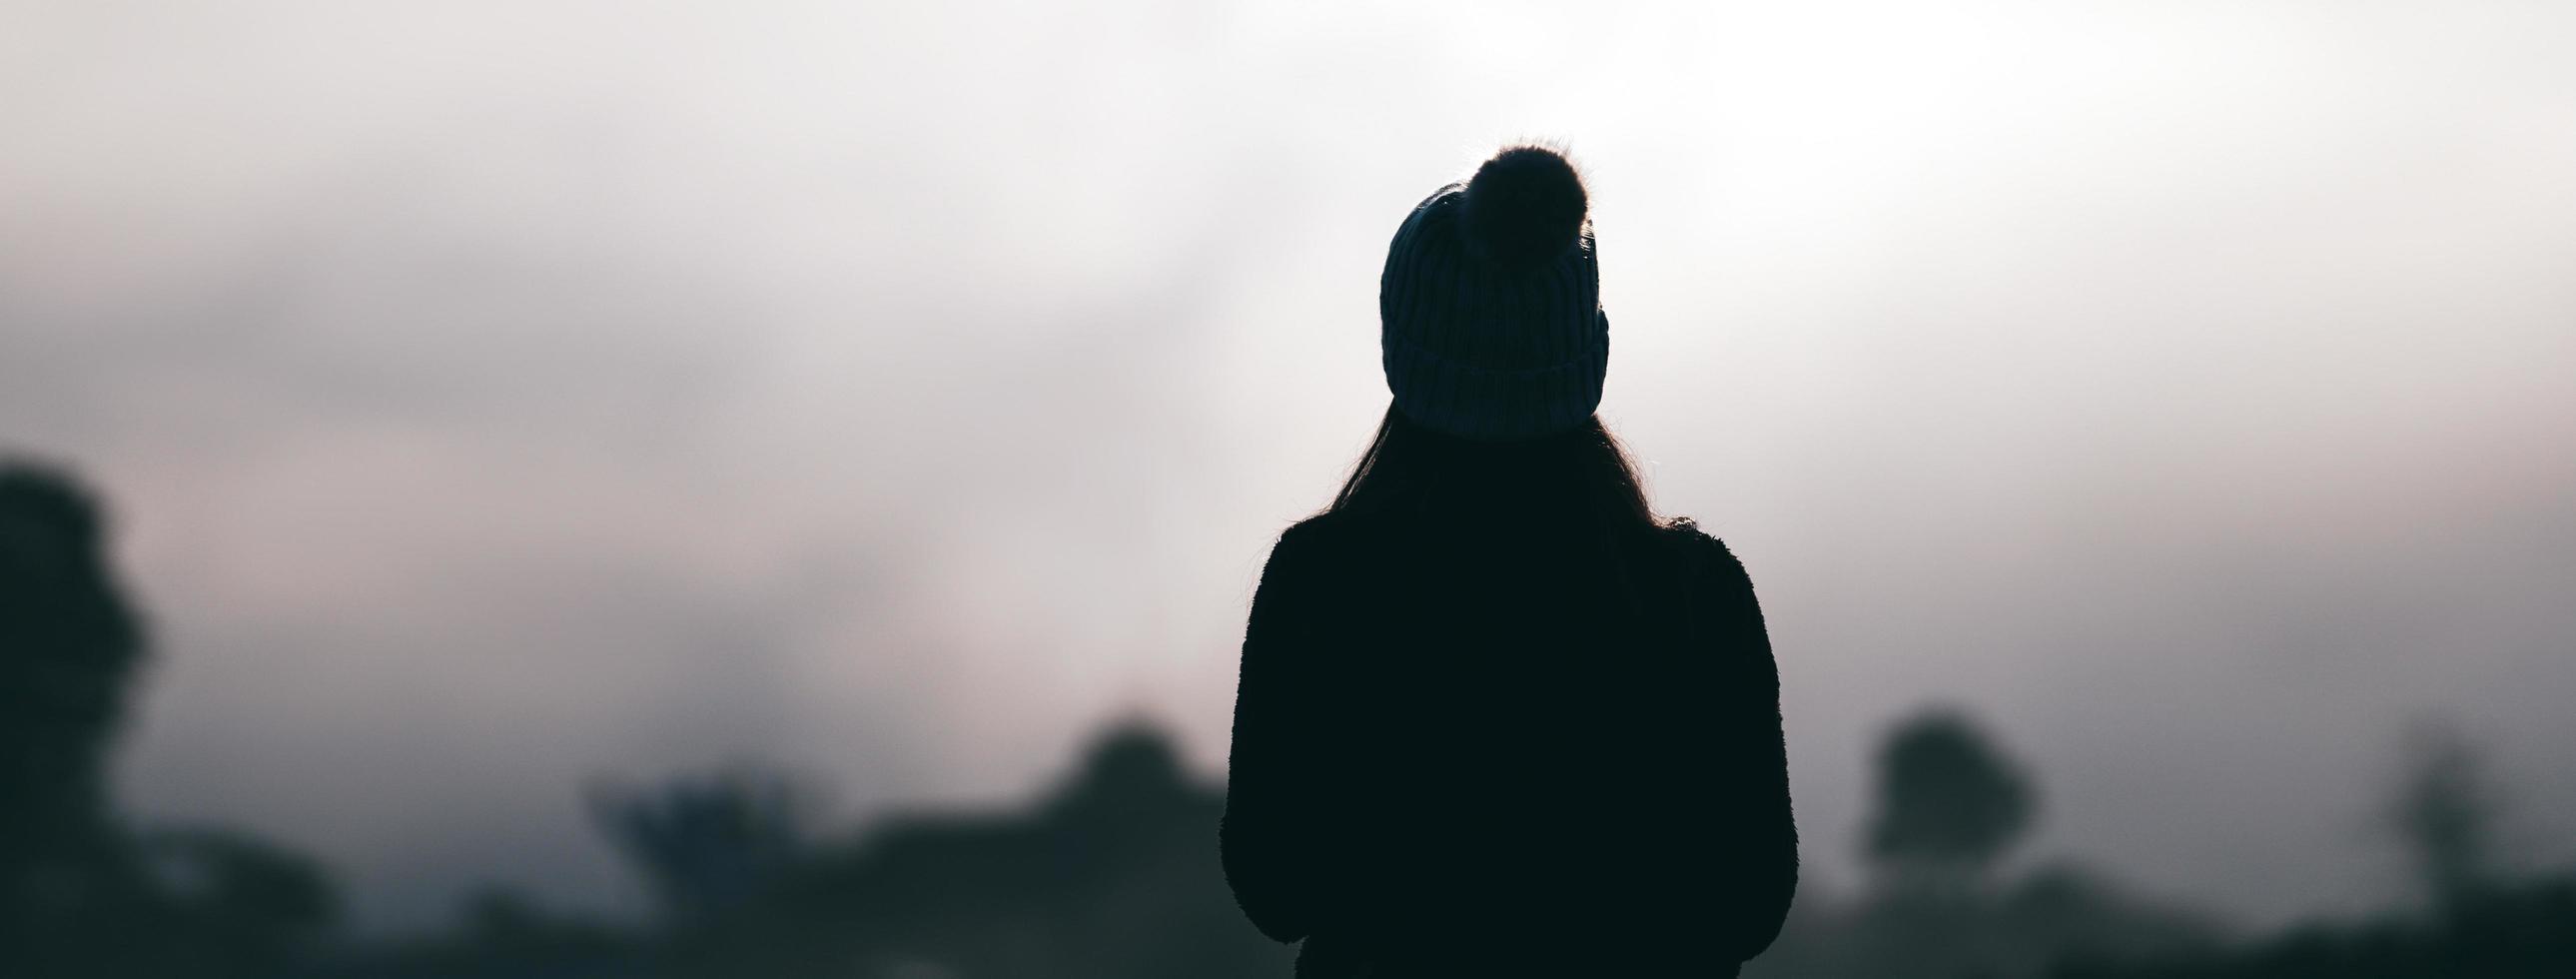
500, 396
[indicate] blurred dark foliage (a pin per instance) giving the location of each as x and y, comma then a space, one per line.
709, 845
2478, 920
2446, 813
2508, 931
1110, 873
72, 647
1949, 804
2053, 914
1114, 873
81, 894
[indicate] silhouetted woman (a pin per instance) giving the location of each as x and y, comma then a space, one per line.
1496, 718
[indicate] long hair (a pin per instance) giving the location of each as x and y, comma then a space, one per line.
1583, 475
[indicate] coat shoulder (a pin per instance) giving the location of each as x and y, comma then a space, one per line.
1704, 557
1306, 537
1326, 537
1303, 556
1685, 535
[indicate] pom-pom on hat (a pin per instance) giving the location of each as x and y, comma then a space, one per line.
1489, 310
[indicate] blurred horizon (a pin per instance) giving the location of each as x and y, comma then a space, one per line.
497, 399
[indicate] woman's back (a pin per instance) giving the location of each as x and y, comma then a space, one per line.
1522, 738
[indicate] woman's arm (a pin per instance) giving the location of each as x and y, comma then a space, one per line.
1761, 834
1267, 839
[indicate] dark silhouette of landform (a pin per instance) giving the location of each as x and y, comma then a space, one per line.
1111, 871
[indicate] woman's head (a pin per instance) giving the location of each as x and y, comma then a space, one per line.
1495, 348
1489, 309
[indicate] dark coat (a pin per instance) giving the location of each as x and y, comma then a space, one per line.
1482, 749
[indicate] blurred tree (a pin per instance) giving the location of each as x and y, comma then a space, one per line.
1110, 873
79, 894
1128, 778
68, 644
227, 904
2511, 930
1948, 804
708, 844
2445, 813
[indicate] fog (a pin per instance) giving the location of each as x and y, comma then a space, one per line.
498, 397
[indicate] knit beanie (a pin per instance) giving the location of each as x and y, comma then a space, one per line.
1489, 310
